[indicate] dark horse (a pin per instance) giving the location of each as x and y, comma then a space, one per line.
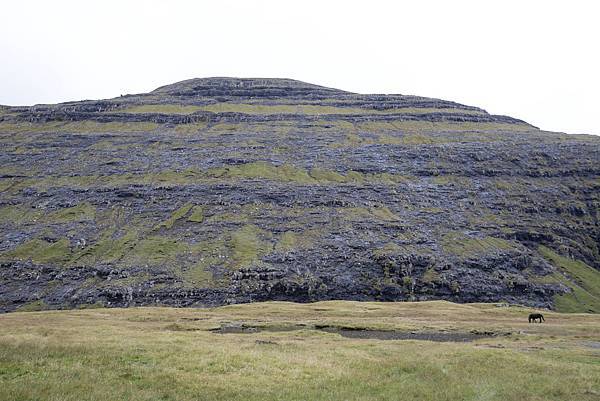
535, 316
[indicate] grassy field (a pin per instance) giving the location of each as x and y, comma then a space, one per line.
171, 354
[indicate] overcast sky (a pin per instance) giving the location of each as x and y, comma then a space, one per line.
534, 60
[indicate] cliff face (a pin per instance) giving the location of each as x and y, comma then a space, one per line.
222, 190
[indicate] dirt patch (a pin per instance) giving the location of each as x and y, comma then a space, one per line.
247, 329
179, 327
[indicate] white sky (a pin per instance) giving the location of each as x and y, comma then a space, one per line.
534, 60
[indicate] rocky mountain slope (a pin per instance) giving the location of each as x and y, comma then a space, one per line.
223, 190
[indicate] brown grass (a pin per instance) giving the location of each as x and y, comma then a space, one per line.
169, 354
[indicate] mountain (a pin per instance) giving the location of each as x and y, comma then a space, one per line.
225, 190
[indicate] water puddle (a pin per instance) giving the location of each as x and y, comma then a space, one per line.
438, 336
361, 333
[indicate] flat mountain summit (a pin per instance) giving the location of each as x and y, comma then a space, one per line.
225, 190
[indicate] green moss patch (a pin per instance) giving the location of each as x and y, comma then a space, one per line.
291, 240
584, 283
40, 251
82, 212
155, 250
177, 214
161, 108
383, 213
431, 276
19, 214
198, 276
312, 109
287, 241
108, 249
197, 215
326, 175
34, 306
248, 244
285, 172
461, 245
192, 128
76, 127
92, 126
290, 173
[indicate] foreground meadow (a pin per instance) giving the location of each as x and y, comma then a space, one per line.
287, 351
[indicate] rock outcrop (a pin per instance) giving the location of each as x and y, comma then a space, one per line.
223, 190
